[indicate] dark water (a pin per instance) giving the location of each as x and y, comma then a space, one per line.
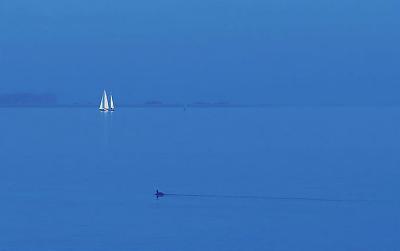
264, 179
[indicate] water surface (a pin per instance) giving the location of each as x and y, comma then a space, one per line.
78, 179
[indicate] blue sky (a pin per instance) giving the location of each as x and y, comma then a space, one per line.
253, 51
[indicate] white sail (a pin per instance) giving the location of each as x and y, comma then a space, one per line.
105, 102
102, 103
112, 107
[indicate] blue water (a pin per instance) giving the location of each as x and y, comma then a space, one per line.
78, 179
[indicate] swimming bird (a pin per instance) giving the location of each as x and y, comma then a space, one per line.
159, 194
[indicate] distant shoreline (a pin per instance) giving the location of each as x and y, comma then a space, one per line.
183, 106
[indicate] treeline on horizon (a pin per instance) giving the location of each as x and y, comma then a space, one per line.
50, 99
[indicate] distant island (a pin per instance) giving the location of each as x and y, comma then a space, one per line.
28, 99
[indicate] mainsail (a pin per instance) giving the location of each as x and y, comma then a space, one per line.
105, 101
102, 103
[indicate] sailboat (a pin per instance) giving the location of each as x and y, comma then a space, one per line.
104, 102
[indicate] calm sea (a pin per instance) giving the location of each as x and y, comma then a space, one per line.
282, 178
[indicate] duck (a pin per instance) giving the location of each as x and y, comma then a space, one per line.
159, 194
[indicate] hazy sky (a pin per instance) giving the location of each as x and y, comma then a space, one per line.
249, 51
